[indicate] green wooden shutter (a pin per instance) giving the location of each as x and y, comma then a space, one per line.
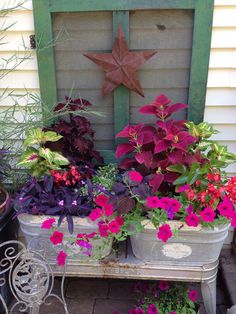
203, 12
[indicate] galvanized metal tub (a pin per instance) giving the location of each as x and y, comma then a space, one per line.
196, 246
38, 238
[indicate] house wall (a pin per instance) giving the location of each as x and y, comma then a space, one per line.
221, 91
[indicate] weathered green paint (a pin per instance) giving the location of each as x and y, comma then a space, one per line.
45, 55
121, 93
109, 156
119, 5
200, 59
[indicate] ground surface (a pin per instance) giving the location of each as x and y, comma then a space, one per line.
97, 296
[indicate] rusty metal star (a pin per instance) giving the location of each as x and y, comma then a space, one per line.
121, 65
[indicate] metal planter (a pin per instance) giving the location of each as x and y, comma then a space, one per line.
193, 246
38, 238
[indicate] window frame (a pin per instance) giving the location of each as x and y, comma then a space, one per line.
202, 31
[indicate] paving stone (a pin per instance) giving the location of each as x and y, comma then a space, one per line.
55, 306
230, 283
202, 309
87, 288
110, 306
81, 306
227, 261
222, 309
121, 289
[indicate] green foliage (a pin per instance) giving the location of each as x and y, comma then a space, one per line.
37, 158
106, 176
202, 130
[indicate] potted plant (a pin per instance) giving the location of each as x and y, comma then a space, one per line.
66, 199
179, 201
164, 298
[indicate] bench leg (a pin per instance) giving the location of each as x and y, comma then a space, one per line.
209, 295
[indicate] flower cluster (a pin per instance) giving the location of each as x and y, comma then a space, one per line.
67, 177
164, 297
174, 171
108, 225
104, 212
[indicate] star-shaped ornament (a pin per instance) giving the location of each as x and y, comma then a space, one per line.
121, 65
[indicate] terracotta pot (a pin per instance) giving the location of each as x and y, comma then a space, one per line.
3, 205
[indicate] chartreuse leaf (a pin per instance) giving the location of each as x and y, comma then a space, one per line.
34, 136
59, 160
47, 154
50, 136
29, 158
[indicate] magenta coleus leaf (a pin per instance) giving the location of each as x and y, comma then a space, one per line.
156, 181
124, 148
144, 158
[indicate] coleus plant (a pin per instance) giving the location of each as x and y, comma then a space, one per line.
152, 149
175, 173
77, 135
39, 159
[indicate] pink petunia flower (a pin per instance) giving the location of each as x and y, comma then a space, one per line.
208, 214
132, 311
47, 224
135, 176
61, 258
120, 220
165, 202
233, 220
183, 188
56, 237
114, 227
164, 233
95, 214
152, 309
107, 210
226, 208
175, 204
192, 220
101, 200
152, 202
103, 229
164, 285
139, 310
193, 295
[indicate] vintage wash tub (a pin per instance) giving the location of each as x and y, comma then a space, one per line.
38, 238
192, 245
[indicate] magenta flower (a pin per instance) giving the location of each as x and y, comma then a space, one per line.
165, 202
103, 229
193, 295
132, 311
135, 176
47, 224
208, 214
95, 214
152, 202
114, 227
119, 220
152, 309
164, 233
226, 208
183, 188
164, 285
107, 210
139, 310
61, 258
101, 200
56, 237
192, 220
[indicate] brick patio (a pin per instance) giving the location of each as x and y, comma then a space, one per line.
98, 296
